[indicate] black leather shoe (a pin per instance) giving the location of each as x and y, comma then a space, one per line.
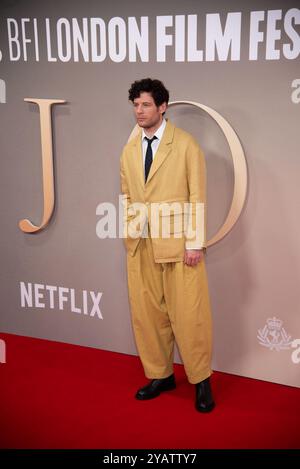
155, 387
204, 399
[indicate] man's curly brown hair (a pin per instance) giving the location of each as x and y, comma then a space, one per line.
156, 88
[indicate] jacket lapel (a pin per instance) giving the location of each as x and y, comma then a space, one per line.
162, 151
161, 154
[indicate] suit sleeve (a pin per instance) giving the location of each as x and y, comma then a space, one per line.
124, 186
125, 195
196, 174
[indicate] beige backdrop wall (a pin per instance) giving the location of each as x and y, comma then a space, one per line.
254, 84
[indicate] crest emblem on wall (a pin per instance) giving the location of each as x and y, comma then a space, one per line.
274, 336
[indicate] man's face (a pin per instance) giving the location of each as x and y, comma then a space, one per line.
147, 114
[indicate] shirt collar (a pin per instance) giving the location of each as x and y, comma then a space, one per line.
159, 132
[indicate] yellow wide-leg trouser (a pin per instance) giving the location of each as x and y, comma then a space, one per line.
170, 301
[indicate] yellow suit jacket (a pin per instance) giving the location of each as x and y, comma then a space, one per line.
176, 188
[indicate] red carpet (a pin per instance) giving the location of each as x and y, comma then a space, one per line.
54, 395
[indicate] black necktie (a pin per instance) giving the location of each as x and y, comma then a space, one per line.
149, 156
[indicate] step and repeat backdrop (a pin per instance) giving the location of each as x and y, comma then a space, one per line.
65, 71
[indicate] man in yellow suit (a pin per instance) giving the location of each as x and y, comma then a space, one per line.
163, 183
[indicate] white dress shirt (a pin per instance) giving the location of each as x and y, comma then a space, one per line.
155, 144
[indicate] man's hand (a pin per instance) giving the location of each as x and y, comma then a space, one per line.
193, 256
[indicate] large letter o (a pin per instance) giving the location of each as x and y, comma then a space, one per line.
239, 166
